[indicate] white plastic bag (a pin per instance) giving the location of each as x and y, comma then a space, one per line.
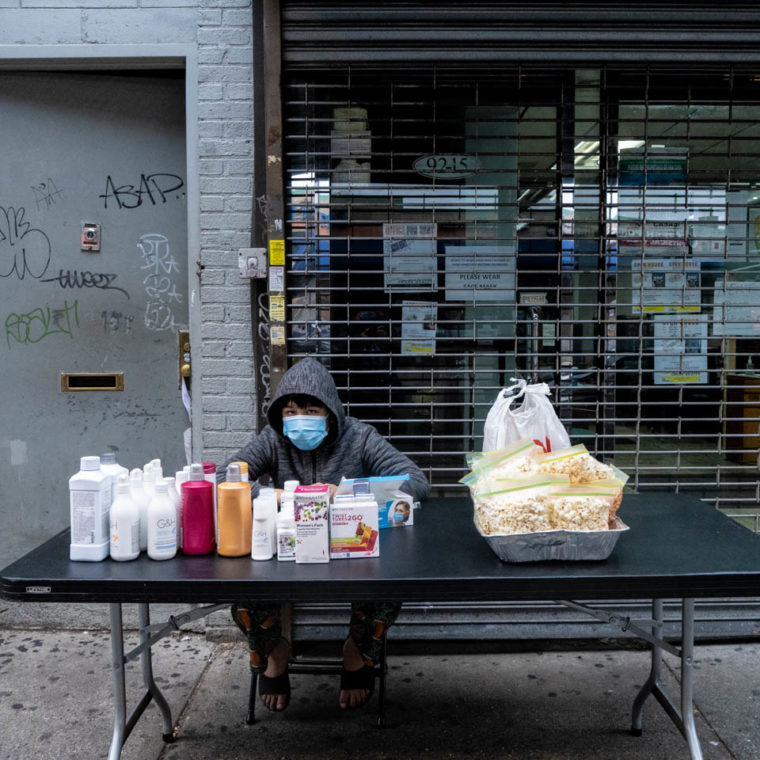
535, 419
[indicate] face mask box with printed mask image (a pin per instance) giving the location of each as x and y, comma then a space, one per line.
396, 508
399, 512
354, 527
311, 508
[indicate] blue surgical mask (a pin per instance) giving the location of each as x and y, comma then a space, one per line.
305, 432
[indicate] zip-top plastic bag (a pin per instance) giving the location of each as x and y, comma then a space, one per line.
517, 506
515, 461
534, 419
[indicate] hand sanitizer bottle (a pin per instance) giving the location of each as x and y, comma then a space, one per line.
125, 523
162, 524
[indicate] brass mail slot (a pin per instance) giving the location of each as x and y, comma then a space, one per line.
92, 381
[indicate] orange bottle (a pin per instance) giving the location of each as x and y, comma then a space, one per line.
234, 515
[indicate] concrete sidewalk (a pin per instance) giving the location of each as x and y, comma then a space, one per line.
56, 702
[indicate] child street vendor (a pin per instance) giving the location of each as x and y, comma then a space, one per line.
310, 438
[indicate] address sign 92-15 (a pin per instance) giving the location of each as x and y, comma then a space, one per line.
446, 166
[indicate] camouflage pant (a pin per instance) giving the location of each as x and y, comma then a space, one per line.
260, 622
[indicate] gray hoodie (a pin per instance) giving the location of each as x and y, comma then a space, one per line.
352, 449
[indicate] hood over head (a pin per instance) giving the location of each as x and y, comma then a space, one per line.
308, 377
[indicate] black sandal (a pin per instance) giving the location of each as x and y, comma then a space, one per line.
364, 678
275, 685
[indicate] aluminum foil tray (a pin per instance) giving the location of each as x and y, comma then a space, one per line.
556, 544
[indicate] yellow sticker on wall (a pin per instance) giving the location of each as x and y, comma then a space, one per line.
276, 308
277, 253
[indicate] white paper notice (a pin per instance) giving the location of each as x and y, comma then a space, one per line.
680, 353
410, 255
666, 285
418, 327
480, 273
736, 308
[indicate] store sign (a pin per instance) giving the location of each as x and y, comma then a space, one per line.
446, 166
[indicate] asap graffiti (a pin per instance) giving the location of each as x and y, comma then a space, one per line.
152, 188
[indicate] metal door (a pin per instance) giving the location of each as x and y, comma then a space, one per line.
88, 155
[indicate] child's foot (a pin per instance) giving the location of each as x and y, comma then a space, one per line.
357, 679
274, 685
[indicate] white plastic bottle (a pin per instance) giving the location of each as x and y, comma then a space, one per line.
269, 495
262, 546
171, 487
125, 523
162, 524
89, 505
109, 465
140, 497
286, 532
149, 480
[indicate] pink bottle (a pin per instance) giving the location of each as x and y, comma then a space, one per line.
198, 534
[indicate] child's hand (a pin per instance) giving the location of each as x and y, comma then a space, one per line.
332, 488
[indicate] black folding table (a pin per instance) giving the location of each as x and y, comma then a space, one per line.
677, 547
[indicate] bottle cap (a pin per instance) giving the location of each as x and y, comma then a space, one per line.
233, 472
162, 486
122, 484
209, 468
89, 463
108, 458
243, 467
136, 474
155, 462
181, 476
196, 472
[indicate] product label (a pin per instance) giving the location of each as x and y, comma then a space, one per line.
354, 530
166, 534
286, 545
83, 505
312, 528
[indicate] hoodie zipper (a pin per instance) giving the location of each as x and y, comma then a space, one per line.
313, 467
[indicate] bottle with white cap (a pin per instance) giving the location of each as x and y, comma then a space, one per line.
262, 545
286, 531
234, 514
269, 495
89, 506
162, 524
171, 488
140, 497
149, 480
109, 465
125, 523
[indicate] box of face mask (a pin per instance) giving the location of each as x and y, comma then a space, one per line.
395, 506
353, 527
398, 511
311, 508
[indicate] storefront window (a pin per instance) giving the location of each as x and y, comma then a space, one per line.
593, 229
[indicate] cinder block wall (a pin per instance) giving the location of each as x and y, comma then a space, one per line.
221, 30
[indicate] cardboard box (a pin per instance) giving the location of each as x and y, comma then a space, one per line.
397, 512
311, 508
354, 528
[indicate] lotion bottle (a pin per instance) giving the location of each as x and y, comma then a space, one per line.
125, 523
233, 503
162, 524
109, 465
262, 547
197, 513
140, 497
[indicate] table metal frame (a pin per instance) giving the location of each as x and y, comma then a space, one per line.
695, 553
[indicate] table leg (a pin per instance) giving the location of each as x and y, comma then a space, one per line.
652, 684
687, 678
146, 662
119, 688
